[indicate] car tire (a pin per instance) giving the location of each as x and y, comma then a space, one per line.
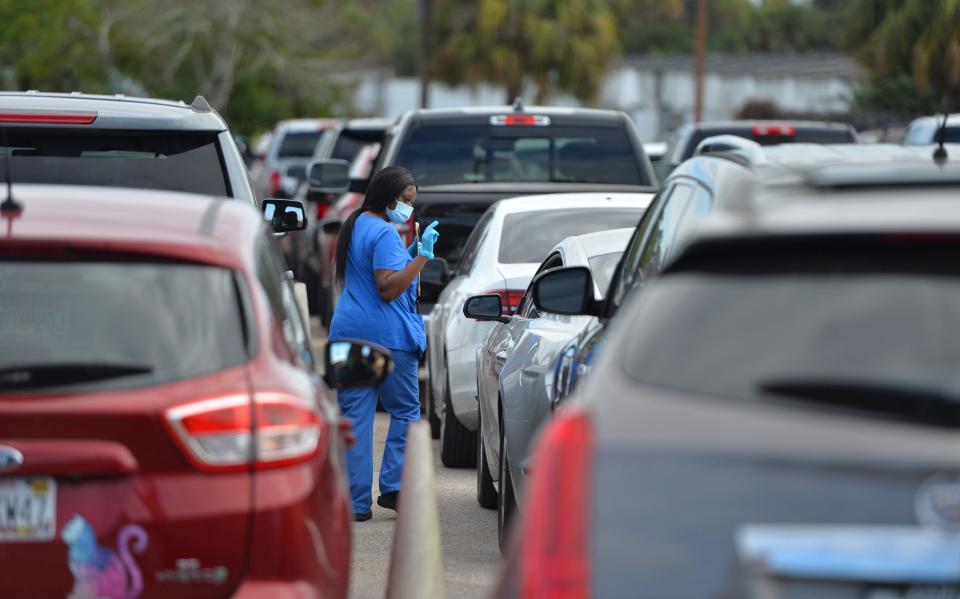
506, 501
458, 444
486, 491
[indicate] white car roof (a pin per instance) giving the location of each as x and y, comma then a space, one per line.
602, 242
556, 201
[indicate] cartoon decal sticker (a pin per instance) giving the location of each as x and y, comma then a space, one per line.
99, 572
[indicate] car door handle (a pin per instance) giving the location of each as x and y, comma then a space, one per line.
531, 372
501, 356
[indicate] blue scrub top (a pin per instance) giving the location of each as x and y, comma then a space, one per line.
361, 313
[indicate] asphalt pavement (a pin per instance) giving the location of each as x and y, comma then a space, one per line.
471, 559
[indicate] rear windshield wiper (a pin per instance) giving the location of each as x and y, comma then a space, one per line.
36, 376
898, 401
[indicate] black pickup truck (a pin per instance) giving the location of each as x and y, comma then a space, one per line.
466, 159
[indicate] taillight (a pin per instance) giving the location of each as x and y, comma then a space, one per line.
52, 118
774, 130
553, 539
228, 433
520, 120
322, 209
509, 300
275, 183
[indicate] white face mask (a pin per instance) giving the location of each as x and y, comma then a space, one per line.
400, 214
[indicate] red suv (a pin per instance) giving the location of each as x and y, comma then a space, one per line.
163, 431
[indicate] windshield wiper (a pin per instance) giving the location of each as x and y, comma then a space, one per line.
899, 401
36, 376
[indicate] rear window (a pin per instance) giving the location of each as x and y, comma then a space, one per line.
602, 268
109, 325
450, 154
528, 236
803, 135
350, 142
298, 144
189, 162
877, 332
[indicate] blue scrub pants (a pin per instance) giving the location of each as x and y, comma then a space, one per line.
400, 396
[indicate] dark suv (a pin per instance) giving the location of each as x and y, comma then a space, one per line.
115, 141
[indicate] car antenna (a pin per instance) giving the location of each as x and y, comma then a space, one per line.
940, 154
518, 104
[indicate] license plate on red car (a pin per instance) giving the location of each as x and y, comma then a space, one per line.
28, 509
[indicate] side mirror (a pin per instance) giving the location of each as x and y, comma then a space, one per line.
485, 307
565, 291
331, 227
352, 363
297, 171
329, 176
284, 215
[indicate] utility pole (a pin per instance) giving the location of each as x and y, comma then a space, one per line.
701, 57
424, 10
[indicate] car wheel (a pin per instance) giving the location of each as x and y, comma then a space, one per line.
458, 444
506, 502
486, 492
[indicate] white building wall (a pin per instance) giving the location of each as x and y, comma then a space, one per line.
625, 88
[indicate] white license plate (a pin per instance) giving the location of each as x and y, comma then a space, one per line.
28, 509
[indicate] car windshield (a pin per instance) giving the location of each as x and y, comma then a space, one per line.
298, 144
477, 154
179, 161
602, 267
107, 325
831, 337
528, 236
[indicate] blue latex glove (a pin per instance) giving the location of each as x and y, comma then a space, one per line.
428, 239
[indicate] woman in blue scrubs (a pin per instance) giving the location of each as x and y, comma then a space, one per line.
378, 303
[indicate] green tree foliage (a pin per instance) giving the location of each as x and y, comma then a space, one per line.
736, 26
257, 61
912, 48
558, 44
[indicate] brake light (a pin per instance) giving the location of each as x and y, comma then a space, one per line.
554, 537
322, 210
51, 118
222, 434
774, 130
275, 183
509, 300
520, 120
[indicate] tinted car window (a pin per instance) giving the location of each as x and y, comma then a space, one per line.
449, 154
189, 162
528, 236
474, 242
164, 322
299, 144
828, 327
663, 231
271, 270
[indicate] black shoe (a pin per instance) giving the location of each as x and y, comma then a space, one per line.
388, 500
362, 517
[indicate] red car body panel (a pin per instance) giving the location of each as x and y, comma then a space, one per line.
274, 532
